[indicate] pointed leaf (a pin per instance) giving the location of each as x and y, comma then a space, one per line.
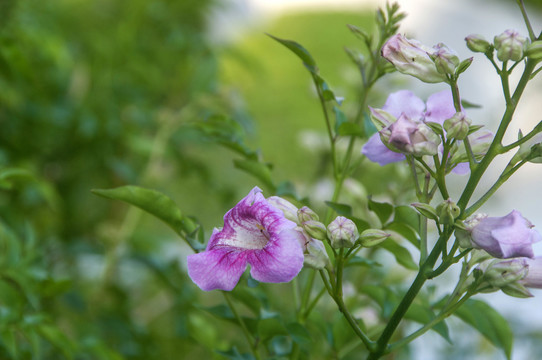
300, 51
151, 201
382, 210
489, 323
402, 255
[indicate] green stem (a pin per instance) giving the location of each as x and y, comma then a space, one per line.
313, 303
382, 342
307, 292
250, 340
496, 148
526, 19
537, 129
501, 180
442, 315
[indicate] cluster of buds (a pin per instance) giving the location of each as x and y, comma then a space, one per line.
431, 65
510, 45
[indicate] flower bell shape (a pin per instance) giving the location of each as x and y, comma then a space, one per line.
502, 237
446, 60
477, 43
533, 279
411, 57
254, 233
439, 107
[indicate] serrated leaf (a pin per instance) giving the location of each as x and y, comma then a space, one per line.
300, 51
151, 201
382, 210
259, 170
489, 323
401, 254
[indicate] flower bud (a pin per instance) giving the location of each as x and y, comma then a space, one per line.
289, 209
426, 210
447, 212
501, 273
457, 126
530, 150
445, 59
314, 251
503, 237
342, 232
411, 137
381, 118
534, 276
314, 229
372, 237
534, 50
510, 45
477, 43
411, 57
306, 214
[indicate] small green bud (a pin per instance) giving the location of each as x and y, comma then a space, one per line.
501, 273
372, 237
510, 45
534, 50
530, 150
306, 214
447, 212
446, 61
457, 126
426, 210
516, 290
463, 65
314, 229
342, 232
477, 43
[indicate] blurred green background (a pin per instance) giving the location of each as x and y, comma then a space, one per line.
104, 93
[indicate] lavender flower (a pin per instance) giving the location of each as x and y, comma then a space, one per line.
439, 107
533, 279
256, 233
503, 237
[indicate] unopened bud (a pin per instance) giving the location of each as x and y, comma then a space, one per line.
288, 209
501, 273
315, 229
534, 50
457, 126
372, 237
517, 290
447, 212
530, 150
342, 232
445, 59
316, 256
477, 43
426, 210
306, 214
510, 45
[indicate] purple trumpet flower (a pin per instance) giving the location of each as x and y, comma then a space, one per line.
255, 233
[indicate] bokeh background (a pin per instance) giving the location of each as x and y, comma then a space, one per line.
104, 93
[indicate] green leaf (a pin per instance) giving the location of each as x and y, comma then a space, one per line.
361, 261
340, 118
402, 255
341, 209
405, 231
382, 210
234, 354
423, 315
151, 201
270, 327
58, 339
383, 296
407, 215
298, 333
300, 51
8, 176
259, 170
489, 323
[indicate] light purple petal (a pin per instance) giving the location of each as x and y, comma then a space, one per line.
440, 107
377, 152
280, 261
217, 269
461, 168
404, 102
534, 276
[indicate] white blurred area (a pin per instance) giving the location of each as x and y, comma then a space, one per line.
449, 22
